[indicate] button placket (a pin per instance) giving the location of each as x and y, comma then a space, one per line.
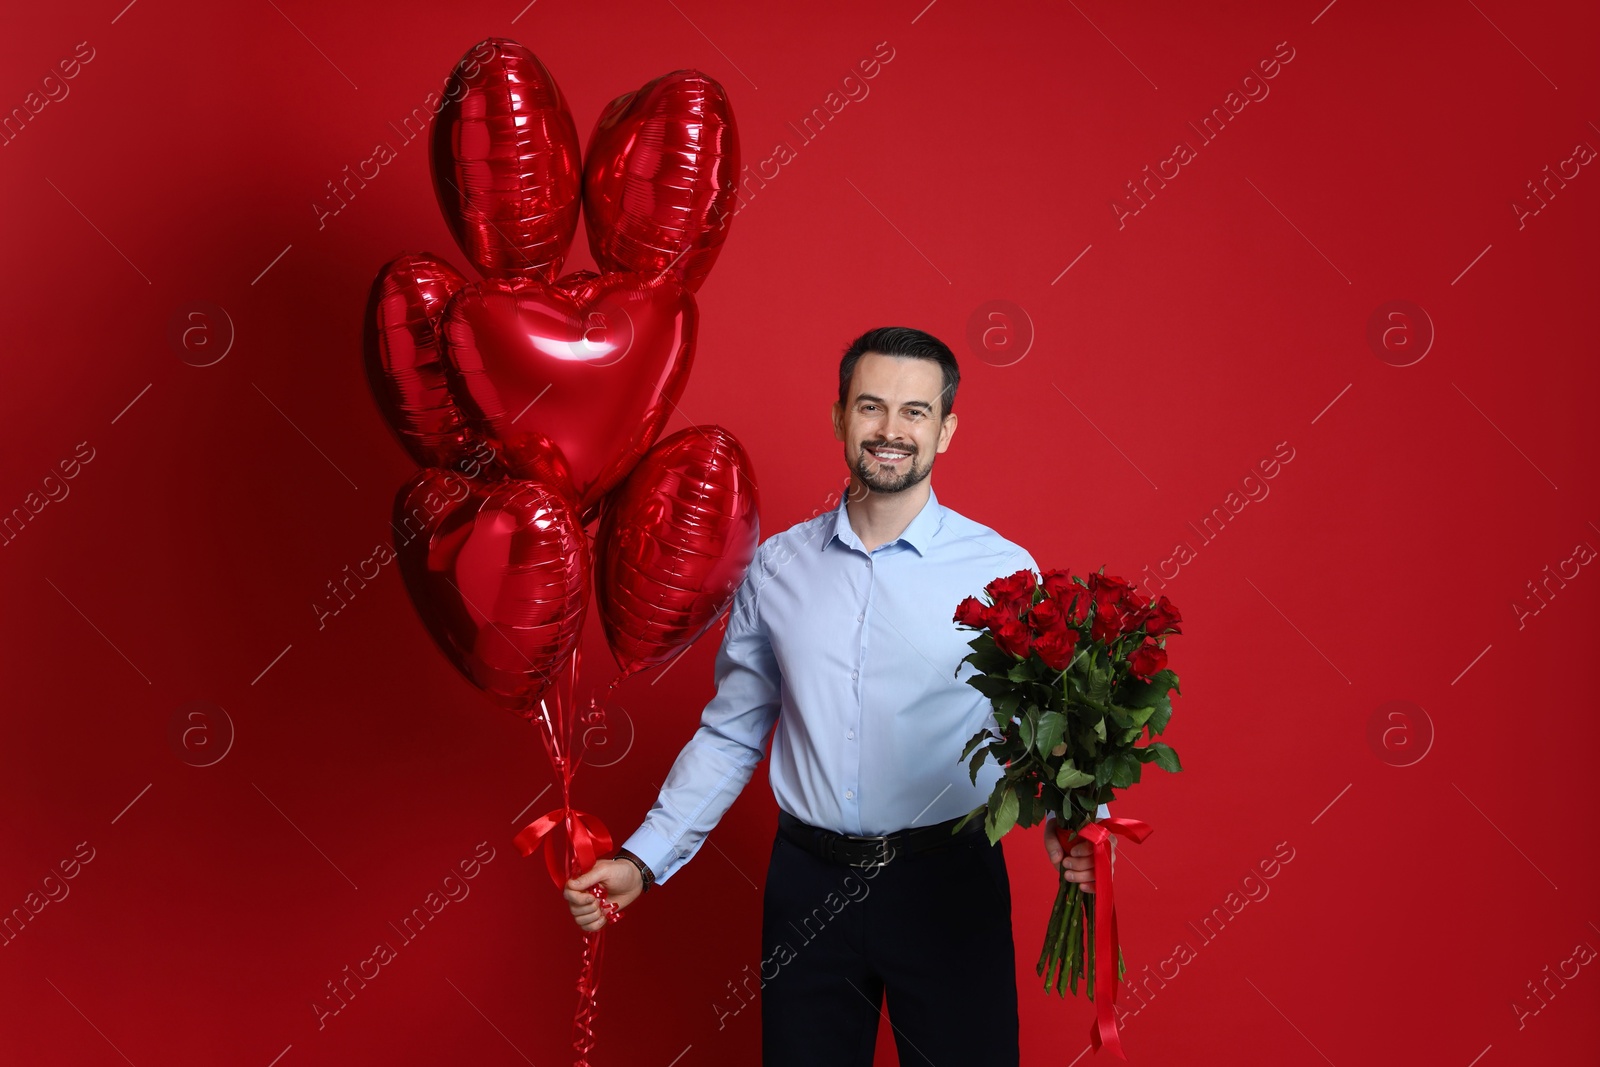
855, 676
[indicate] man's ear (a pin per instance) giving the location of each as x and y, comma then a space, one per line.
838, 421
947, 430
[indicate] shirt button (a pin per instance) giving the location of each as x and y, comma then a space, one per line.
851, 735
849, 794
854, 673
860, 617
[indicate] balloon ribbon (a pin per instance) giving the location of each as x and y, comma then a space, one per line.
587, 840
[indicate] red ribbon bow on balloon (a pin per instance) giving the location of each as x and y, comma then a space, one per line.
1103, 1031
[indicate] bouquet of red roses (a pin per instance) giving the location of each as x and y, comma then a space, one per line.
1076, 669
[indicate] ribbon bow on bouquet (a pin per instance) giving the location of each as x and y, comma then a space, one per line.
533, 401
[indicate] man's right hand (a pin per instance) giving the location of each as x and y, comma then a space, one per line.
623, 884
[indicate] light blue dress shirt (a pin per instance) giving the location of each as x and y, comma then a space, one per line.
853, 655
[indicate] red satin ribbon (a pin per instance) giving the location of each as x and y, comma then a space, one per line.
589, 840
1103, 1031
589, 837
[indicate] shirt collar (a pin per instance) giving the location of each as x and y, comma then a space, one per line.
918, 533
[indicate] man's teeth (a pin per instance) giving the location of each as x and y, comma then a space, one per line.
885, 453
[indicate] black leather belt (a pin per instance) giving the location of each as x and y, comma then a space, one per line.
876, 850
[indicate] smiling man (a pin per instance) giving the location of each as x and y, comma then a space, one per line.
841, 644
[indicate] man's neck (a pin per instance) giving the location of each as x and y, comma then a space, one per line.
878, 518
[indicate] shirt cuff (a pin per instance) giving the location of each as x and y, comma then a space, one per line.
653, 850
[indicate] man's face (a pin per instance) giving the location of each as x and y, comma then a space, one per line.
890, 422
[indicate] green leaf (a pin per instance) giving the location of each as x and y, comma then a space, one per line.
1052, 729
1021, 670
966, 817
1159, 717
1164, 756
1099, 688
1137, 694
1069, 777
990, 686
974, 741
1026, 725
1035, 813
1005, 706
1137, 716
1100, 727
1124, 770
1002, 819
977, 761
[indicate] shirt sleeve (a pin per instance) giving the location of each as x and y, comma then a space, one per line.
722, 755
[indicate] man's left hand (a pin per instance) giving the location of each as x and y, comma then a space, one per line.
1079, 861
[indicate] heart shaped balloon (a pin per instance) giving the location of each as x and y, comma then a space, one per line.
499, 574
660, 178
675, 542
571, 385
404, 364
505, 162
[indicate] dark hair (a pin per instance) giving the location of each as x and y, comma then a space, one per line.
906, 342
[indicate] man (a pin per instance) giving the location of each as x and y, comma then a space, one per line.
842, 635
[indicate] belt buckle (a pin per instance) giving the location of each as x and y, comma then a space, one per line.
884, 851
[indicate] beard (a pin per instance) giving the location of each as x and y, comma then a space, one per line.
882, 480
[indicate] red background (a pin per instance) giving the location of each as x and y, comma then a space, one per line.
1227, 316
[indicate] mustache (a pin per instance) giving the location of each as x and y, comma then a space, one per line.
886, 444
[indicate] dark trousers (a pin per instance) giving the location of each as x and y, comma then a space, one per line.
929, 931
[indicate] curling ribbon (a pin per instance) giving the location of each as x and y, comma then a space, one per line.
1104, 1029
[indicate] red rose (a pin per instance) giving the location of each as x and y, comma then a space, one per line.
1058, 584
1147, 659
972, 613
1108, 588
1056, 646
1109, 622
1077, 601
1046, 616
1013, 592
1013, 637
1164, 619
1136, 614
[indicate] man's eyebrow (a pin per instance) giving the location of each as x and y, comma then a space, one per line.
879, 400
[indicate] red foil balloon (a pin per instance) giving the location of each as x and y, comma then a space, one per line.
660, 178
571, 385
674, 545
405, 366
499, 574
505, 162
